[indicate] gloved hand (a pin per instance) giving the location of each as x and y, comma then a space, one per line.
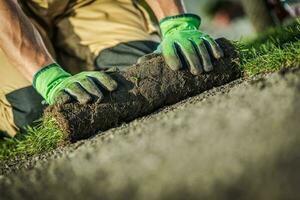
183, 45
58, 86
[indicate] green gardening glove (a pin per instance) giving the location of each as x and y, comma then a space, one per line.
58, 86
183, 45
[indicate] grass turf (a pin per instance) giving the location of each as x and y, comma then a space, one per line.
42, 138
270, 58
269, 52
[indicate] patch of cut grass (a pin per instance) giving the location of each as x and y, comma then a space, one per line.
277, 48
42, 138
271, 51
270, 59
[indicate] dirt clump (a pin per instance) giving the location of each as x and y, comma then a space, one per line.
143, 89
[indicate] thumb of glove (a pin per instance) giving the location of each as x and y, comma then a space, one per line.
149, 56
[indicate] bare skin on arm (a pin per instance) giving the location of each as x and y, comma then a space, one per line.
164, 8
20, 41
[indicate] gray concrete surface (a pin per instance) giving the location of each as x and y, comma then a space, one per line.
239, 141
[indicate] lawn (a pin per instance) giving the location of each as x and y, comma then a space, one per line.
271, 51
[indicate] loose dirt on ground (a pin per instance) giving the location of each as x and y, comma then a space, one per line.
237, 141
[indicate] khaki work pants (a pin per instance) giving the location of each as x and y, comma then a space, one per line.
75, 32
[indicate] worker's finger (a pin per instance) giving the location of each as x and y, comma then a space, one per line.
204, 55
190, 55
170, 54
79, 93
90, 86
104, 80
213, 47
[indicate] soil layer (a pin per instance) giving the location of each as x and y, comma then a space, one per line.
239, 141
143, 89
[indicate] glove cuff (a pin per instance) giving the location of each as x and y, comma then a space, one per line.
179, 22
47, 78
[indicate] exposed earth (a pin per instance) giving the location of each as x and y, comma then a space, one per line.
238, 141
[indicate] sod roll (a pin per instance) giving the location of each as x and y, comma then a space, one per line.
142, 89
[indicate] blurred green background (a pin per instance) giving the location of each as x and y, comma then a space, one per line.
216, 24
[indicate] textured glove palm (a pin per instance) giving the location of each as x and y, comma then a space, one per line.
183, 45
58, 86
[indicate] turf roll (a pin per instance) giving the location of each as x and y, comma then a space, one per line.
142, 89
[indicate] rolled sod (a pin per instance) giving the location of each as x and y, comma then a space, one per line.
142, 89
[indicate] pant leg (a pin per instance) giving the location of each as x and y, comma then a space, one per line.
20, 104
124, 55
